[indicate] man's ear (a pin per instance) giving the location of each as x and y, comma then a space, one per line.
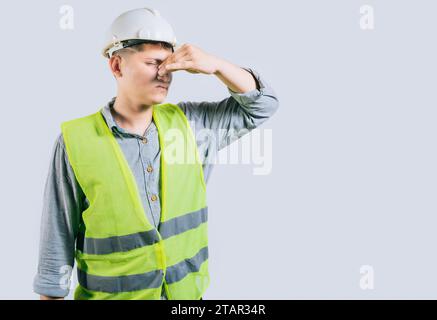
115, 65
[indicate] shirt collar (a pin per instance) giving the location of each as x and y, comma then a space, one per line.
107, 115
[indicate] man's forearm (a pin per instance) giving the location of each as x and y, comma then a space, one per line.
60, 220
234, 77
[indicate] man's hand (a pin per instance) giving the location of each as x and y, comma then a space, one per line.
190, 58
195, 60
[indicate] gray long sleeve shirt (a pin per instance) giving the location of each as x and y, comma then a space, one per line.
64, 201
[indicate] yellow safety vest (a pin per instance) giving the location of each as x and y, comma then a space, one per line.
119, 253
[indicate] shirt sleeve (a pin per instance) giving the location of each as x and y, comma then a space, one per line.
62, 206
234, 116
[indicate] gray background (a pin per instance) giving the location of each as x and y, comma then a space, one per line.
354, 161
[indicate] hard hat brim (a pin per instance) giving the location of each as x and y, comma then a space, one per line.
132, 42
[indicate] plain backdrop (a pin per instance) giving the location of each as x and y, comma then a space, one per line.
353, 181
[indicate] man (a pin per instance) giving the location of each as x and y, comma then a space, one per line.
121, 196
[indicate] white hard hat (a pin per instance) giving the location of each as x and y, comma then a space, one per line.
137, 26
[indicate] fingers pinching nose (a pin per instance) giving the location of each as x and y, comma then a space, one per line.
160, 70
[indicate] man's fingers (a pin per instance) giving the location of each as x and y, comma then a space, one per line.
170, 66
175, 56
181, 65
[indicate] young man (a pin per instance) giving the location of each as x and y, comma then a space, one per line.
116, 199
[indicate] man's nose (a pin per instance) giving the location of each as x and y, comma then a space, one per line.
162, 72
166, 76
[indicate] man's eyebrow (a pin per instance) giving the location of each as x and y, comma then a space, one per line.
157, 60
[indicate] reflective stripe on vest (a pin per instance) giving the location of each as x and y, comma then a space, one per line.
119, 253
129, 242
143, 281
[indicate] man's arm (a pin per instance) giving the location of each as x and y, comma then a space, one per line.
250, 104
234, 77
62, 207
231, 118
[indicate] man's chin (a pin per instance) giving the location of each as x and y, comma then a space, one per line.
160, 99
156, 100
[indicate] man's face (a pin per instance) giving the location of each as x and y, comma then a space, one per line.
139, 77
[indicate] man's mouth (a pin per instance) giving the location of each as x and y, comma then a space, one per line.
162, 86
